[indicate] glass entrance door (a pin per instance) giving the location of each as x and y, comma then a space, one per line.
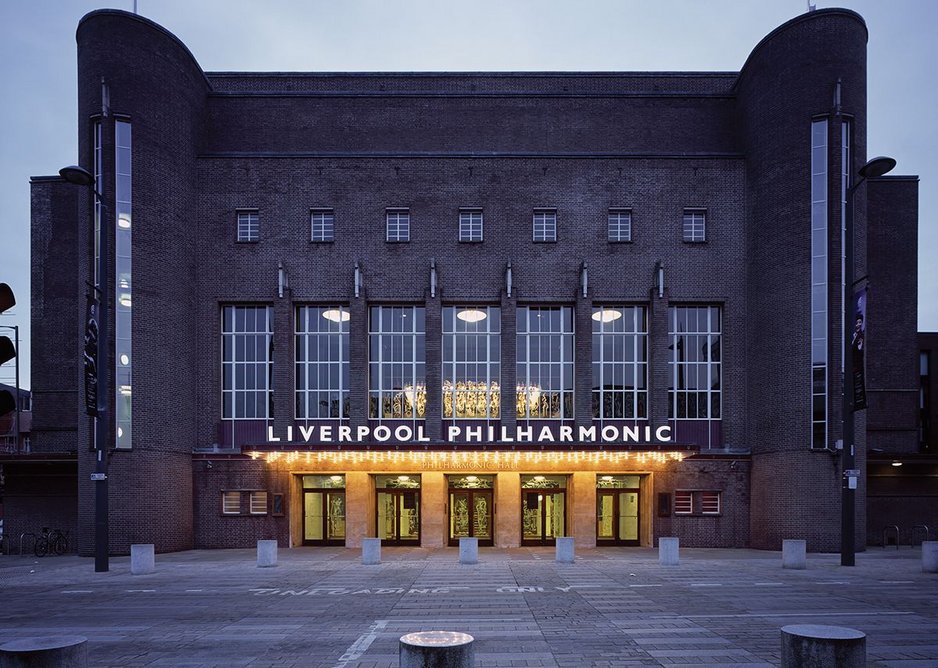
470, 515
398, 516
543, 509
323, 517
471, 508
323, 510
617, 510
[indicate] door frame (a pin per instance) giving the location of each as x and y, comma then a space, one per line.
325, 516
451, 541
615, 492
543, 491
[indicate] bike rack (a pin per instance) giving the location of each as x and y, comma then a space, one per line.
918, 528
22, 536
891, 527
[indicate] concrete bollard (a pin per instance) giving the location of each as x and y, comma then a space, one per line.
930, 556
669, 551
50, 652
565, 550
371, 551
142, 559
806, 645
794, 554
436, 649
266, 553
468, 550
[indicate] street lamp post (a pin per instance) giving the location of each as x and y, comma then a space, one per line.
82, 177
875, 167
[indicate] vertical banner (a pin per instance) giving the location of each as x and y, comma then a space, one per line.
858, 343
91, 357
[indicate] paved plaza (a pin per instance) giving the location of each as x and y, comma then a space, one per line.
612, 607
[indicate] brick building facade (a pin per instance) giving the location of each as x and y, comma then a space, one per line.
619, 250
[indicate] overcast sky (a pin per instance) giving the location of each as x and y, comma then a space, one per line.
37, 72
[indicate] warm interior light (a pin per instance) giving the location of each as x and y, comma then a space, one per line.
403, 478
337, 315
897, 463
538, 477
123, 222
607, 315
472, 315
120, 432
335, 478
125, 390
466, 460
471, 478
125, 359
607, 478
125, 300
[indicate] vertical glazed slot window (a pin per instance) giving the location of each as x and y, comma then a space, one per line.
397, 225
471, 362
258, 504
710, 503
545, 225
819, 288
694, 391
231, 503
322, 362
322, 225
695, 225
470, 225
123, 196
545, 362
620, 363
619, 225
98, 181
397, 362
683, 502
247, 363
249, 226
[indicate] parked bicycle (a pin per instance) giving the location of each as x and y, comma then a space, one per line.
54, 541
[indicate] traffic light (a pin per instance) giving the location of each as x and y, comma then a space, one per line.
7, 349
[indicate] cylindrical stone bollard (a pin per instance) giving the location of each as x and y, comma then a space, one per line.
142, 559
371, 551
468, 550
794, 554
816, 646
436, 649
48, 652
565, 550
669, 551
930, 556
266, 553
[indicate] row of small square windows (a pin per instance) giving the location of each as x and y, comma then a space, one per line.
397, 225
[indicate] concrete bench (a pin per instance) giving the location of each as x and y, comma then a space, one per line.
266, 553
436, 649
814, 645
49, 652
468, 550
565, 550
142, 559
371, 551
669, 551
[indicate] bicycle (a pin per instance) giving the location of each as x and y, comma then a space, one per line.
54, 541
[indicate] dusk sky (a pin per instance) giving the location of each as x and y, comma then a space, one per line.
37, 61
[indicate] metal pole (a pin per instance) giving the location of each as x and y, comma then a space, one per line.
101, 546
849, 493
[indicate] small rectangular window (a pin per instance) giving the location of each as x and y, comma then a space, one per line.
322, 225
545, 226
710, 503
398, 224
248, 226
231, 503
683, 503
695, 225
470, 226
620, 225
258, 503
